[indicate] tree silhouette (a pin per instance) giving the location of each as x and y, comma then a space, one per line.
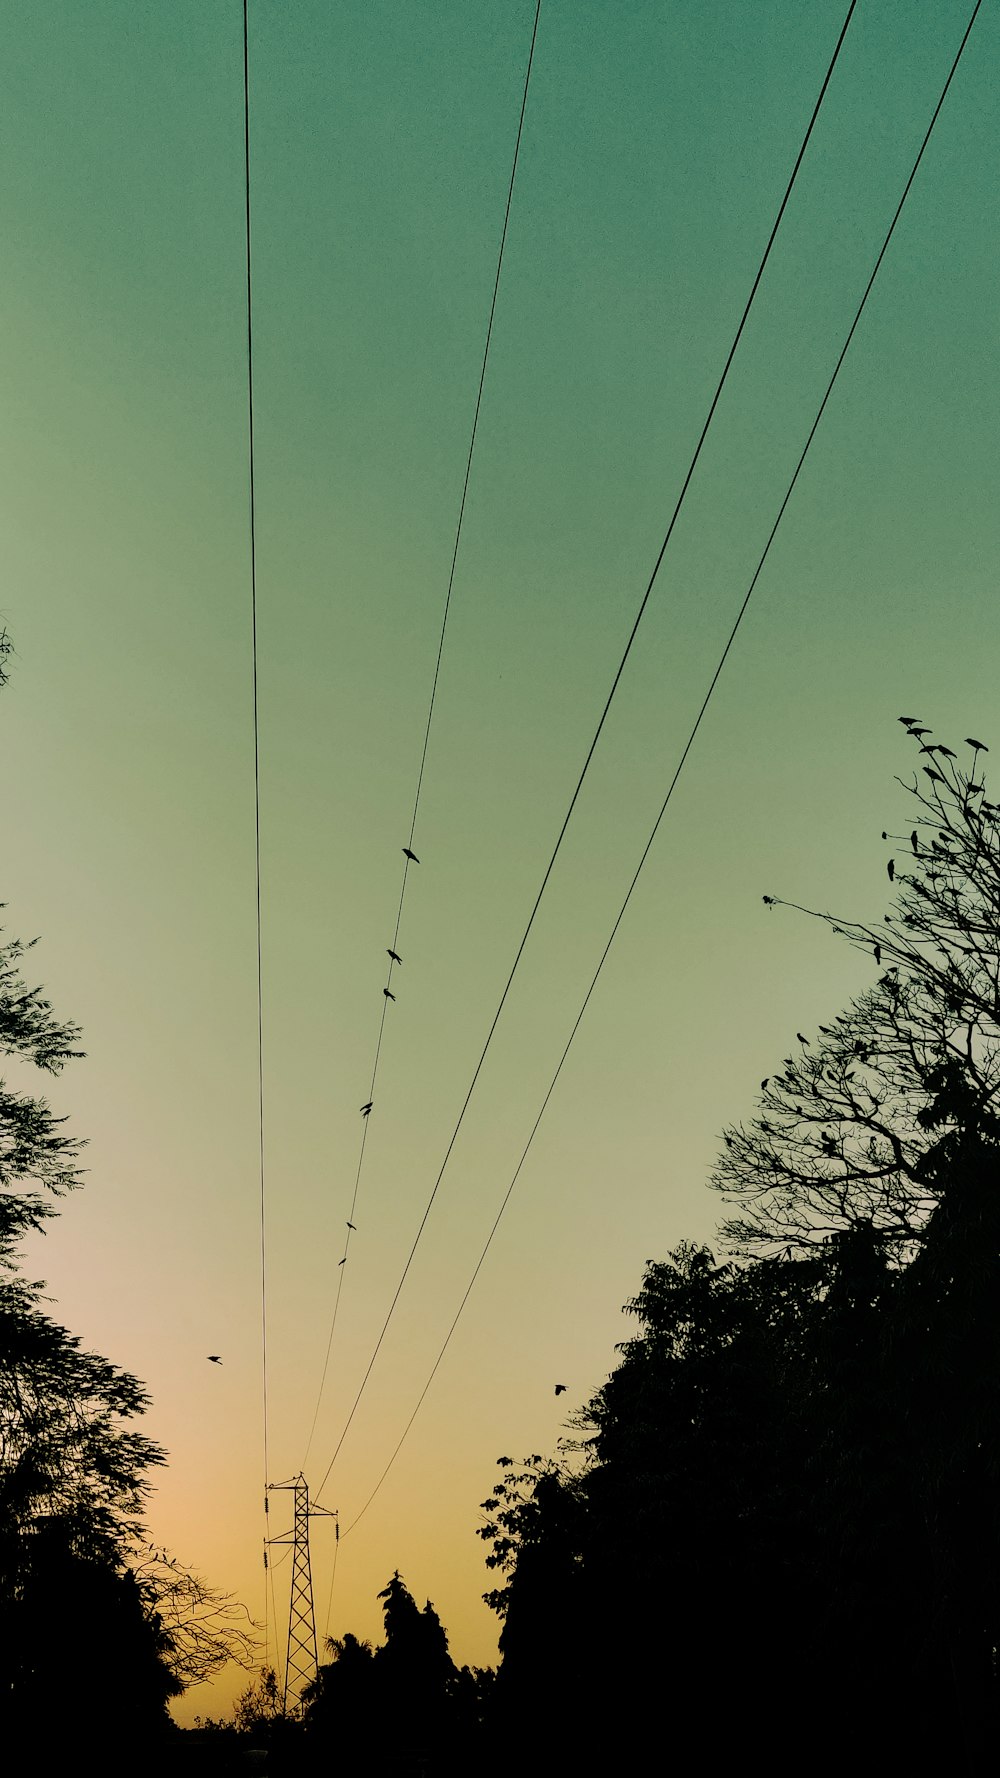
846, 1123
75, 1570
776, 1539
403, 1707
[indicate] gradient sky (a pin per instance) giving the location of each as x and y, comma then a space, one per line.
657, 143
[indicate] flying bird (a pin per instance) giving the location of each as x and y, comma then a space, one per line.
388, 994
394, 955
410, 855
213, 1358
365, 1109
560, 1388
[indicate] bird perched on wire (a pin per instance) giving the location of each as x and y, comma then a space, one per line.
365, 1109
388, 993
213, 1358
394, 955
354, 1226
410, 855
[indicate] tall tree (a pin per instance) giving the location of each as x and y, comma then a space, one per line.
403, 1707
789, 1484
74, 1469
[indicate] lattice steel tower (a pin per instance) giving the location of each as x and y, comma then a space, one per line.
302, 1660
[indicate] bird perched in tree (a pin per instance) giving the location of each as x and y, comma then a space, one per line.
978, 745
560, 1388
891, 868
410, 855
213, 1358
907, 721
763, 1084
365, 1109
801, 1038
394, 955
388, 994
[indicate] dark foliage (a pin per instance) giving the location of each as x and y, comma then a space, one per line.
402, 1708
775, 1542
96, 1630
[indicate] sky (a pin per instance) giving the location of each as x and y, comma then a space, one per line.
658, 139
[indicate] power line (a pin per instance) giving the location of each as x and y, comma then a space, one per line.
333, 1580
408, 850
603, 718
679, 768
256, 745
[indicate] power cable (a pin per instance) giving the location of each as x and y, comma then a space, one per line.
680, 766
256, 749
408, 849
333, 1578
600, 726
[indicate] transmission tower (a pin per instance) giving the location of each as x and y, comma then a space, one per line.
302, 1660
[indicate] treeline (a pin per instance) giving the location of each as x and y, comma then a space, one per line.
773, 1539
780, 1541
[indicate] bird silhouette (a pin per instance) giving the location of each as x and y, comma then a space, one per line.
560, 1388
914, 844
763, 1084
354, 1226
365, 1109
388, 994
410, 855
921, 731
213, 1358
907, 721
801, 1038
878, 955
970, 741
342, 1262
891, 868
394, 955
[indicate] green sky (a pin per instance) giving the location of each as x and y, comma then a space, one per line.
657, 143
